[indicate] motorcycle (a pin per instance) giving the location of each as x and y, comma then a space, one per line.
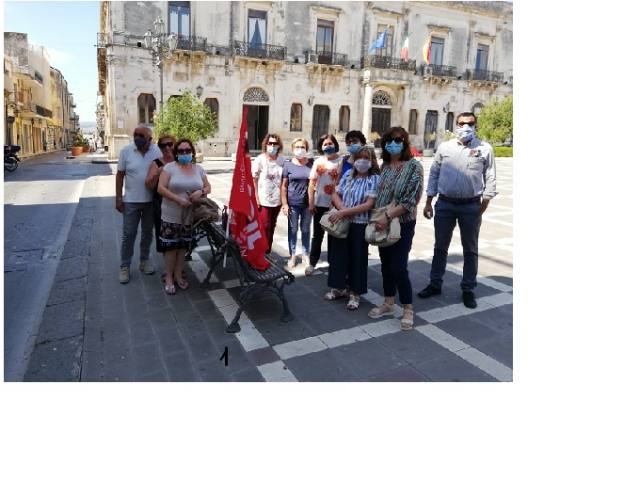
11, 157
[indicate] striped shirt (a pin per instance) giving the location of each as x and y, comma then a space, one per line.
463, 172
356, 192
404, 184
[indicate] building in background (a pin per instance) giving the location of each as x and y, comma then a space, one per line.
305, 68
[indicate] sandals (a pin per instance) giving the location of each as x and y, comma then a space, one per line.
170, 289
381, 311
407, 323
354, 302
308, 268
291, 263
335, 293
183, 284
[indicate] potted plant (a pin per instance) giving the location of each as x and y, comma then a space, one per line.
77, 146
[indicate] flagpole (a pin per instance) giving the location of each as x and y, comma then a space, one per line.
224, 259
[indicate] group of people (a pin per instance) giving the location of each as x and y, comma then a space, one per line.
162, 181
462, 176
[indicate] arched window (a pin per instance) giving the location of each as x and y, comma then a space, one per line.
295, 125
255, 94
146, 108
212, 103
381, 98
477, 108
345, 114
413, 121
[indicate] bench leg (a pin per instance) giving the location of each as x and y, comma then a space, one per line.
233, 326
214, 261
286, 316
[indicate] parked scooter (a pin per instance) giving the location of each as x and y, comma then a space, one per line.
11, 157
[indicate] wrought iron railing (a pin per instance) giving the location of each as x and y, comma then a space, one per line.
259, 50
389, 63
326, 58
224, 50
43, 112
439, 70
194, 44
485, 76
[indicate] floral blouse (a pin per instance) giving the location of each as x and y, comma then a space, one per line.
269, 176
324, 177
404, 184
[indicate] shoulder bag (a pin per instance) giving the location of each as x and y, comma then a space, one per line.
339, 229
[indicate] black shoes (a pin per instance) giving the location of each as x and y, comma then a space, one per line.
430, 291
469, 299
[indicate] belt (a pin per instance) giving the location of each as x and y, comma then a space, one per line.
460, 201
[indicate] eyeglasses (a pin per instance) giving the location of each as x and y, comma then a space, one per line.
139, 135
182, 151
165, 144
471, 123
273, 144
354, 141
397, 140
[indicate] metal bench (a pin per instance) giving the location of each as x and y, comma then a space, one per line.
252, 281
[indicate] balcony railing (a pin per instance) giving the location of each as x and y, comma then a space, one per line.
326, 58
439, 70
259, 50
389, 63
485, 76
29, 106
43, 112
192, 43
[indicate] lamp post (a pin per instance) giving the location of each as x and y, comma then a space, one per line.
156, 43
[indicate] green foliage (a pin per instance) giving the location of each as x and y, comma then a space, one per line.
186, 117
503, 151
495, 122
78, 141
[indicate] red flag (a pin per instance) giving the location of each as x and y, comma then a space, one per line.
245, 227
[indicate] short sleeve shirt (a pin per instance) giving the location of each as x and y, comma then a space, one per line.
355, 191
298, 187
268, 173
326, 175
135, 166
179, 183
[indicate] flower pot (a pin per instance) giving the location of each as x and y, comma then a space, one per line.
76, 151
85, 149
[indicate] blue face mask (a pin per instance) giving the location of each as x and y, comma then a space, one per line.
272, 149
329, 150
185, 158
393, 148
354, 148
140, 142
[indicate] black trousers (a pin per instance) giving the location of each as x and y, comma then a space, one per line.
349, 261
318, 237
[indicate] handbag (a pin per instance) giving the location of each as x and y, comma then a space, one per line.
339, 229
202, 210
386, 237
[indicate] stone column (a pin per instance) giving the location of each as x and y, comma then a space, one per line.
368, 94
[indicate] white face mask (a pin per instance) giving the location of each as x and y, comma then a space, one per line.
465, 133
300, 152
272, 149
362, 166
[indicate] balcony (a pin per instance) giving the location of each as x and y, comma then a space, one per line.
439, 70
193, 44
190, 43
43, 112
29, 109
484, 76
387, 63
326, 58
259, 50
38, 76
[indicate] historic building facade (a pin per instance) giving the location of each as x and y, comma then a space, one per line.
304, 68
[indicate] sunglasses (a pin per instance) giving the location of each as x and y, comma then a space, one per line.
165, 144
139, 135
182, 151
273, 144
397, 140
471, 123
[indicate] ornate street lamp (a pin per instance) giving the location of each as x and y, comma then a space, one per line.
156, 43
199, 90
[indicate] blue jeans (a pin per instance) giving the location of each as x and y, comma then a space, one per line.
299, 215
468, 217
133, 214
393, 264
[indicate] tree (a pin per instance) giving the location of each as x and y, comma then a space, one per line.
495, 122
186, 117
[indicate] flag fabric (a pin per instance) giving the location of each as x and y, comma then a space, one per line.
404, 49
426, 51
380, 42
246, 229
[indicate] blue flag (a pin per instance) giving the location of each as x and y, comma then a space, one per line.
381, 42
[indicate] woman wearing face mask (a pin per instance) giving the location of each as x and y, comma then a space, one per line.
180, 183
322, 183
349, 257
267, 179
355, 140
402, 180
294, 195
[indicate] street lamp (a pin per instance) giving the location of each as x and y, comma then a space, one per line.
156, 44
199, 90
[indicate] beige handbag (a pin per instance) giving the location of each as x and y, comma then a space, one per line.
386, 237
339, 229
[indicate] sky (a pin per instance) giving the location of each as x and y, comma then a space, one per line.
68, 31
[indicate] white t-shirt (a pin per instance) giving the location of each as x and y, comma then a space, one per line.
269, 175
179, 183
135, 166
327, 175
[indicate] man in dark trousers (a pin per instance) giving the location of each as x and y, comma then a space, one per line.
463, 175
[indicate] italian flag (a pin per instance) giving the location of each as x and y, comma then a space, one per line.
404, 49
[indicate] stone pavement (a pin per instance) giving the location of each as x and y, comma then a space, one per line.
135, 332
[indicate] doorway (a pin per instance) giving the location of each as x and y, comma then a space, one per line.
430, 127
257, 125
380, 122
320, 124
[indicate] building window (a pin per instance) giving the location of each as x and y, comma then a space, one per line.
387, 51
146, 108
437, 50
482, 57
413, 122
179, 18
476, 109
449, 124
324, 38
295, 125
175, 96
257, 33
212, 103
344, 119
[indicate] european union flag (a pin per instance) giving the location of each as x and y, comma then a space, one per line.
380, 42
